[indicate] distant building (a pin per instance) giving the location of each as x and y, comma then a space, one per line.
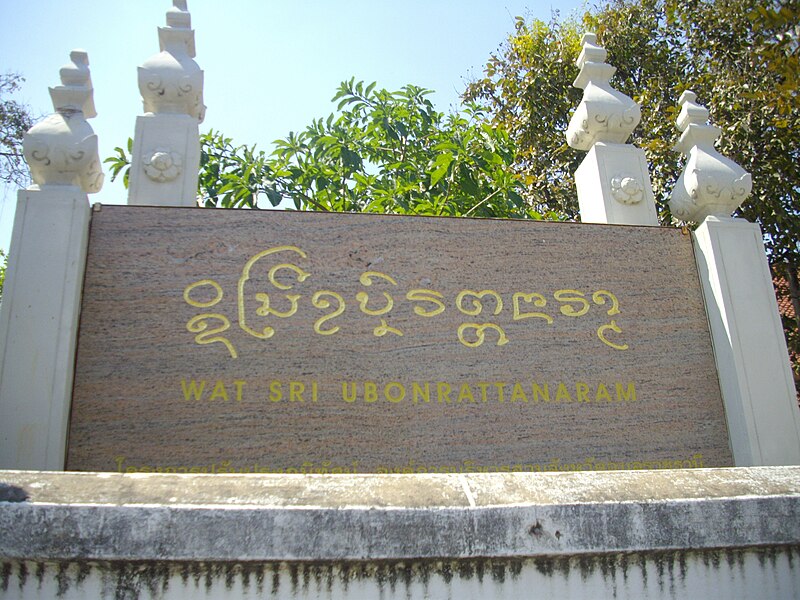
787, 311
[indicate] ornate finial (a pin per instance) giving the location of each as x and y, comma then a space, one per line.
691, 111
710, 184
62, 149
165, 159
604, 114
178, 16
75, 92
590, 51
77, 72
171, 81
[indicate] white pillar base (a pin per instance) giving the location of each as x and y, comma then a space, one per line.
171, 178
39, 325
749, 345
604, 195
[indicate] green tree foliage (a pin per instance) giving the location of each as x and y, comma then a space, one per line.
528, 92
750, 82
15, 120
382, 151
3, 267
739, 56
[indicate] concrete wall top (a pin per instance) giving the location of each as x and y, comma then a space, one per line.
357, 517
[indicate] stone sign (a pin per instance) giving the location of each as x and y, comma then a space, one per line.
249, 341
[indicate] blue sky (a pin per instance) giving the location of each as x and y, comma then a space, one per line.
270, 67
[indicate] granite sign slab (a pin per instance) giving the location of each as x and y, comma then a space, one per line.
268, 341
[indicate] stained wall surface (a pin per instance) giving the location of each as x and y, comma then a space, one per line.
700, 533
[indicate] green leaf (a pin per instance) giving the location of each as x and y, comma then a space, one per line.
518, 200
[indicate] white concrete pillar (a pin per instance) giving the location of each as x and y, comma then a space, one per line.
749, 346
42, 291
614, 186
613, 181
166, 146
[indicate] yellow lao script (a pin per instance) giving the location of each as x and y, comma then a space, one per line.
483, 311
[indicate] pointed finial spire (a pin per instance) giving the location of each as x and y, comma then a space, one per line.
178, 17
62, 149
710, 184
613, 181
171, 81
75, 92
604, 114
165, 159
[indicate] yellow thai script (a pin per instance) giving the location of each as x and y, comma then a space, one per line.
261, 307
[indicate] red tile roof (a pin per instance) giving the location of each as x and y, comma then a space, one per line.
786, 309
784, 300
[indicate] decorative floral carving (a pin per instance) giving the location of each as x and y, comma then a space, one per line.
92, 177
162, 165
710, 184
626, 189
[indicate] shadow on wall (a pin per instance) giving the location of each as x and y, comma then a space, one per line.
12, 493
